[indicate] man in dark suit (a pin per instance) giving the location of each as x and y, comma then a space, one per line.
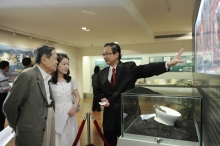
29, 106
95, 103
120, 77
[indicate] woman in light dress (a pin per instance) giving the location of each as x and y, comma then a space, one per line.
62, 86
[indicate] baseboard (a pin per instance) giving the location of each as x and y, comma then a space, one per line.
87, 95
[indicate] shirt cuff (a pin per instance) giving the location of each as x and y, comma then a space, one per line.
166, 66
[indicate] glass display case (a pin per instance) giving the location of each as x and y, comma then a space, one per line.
165, 115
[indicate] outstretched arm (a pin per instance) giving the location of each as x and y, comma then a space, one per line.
176, 59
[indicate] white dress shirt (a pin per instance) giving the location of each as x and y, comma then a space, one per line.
3, 82
46, 78
110, 73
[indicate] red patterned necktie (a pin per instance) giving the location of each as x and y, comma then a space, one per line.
113, 79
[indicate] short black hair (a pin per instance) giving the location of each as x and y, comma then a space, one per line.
115, 48
26, 61
43, 51
96, 69
4, 64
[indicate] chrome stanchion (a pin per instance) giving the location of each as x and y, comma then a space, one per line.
88, 130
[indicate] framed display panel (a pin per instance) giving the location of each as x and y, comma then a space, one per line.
206, 24
102, 64
207, 38
14, 56
186, 66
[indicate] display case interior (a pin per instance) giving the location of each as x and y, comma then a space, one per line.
163, 115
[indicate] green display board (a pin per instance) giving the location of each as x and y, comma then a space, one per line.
101, 63
186, 66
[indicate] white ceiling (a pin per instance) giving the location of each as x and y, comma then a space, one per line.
124, 21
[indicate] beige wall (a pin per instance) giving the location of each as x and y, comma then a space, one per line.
157, 47
82, 60
73, 53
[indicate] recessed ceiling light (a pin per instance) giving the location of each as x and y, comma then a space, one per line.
116, 42
85, 29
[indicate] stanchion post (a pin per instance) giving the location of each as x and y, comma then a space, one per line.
88, 130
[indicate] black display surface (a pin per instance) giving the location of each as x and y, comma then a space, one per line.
182, 129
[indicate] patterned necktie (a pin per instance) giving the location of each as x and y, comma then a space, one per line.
113, 79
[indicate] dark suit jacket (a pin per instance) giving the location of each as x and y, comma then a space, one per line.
126, 76
25, 107
94, 80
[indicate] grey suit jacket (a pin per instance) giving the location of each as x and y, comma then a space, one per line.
26, 107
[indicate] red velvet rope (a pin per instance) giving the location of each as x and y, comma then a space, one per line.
79, 132
100, 133
97, 128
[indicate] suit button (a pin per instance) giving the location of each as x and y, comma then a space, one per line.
43, 129
45, 118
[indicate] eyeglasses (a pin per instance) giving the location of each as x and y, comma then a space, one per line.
106, 54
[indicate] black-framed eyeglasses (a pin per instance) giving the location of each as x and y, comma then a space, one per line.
106, 54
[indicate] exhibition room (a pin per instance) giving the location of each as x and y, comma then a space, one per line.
166, 54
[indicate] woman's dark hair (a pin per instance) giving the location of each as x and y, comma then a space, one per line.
4, 64
67, 77
43, 51
96, 69
115, 48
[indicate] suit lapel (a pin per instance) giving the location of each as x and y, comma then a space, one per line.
51, 97
107, 83
40, 82
119, 69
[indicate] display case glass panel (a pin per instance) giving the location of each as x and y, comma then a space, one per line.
166, 115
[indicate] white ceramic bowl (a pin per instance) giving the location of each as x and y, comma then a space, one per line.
167, 118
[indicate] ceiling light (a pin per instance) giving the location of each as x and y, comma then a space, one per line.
116, 42
85, 29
